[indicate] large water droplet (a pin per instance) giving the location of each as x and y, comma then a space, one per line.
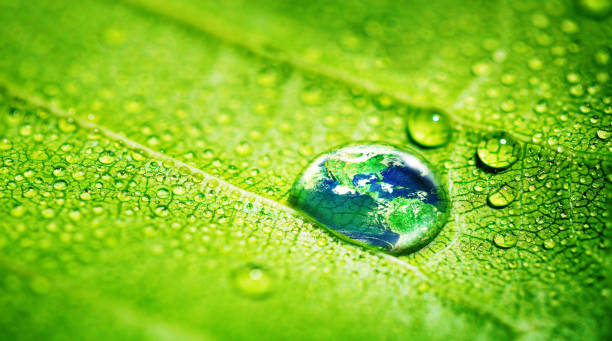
373, 195
498, 150
429, 127
252, 281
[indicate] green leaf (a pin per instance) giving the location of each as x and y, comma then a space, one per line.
148, 148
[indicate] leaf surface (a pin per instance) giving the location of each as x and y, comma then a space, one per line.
148, 150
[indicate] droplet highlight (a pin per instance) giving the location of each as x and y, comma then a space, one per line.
252, 281
373, 195
498, 150
429, 127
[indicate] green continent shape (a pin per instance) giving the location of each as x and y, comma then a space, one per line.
408, 215
345, 171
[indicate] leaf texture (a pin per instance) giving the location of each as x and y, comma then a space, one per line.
147, 150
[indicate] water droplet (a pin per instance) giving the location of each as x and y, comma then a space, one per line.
60, 185
577, 90
39, 155
26, 130
602, 57
373, 195
429, 127
501, 197
252, 281
29, 193
549, 244
504, 240
163, 193
178, 190
603, 134
535, 64
498, 150
569, 26
67, 125
48, 213
311, 95
480, 69
268, 76
5, 144
508, 79
541, 106
161, 211
106, 158
78, 175
18, 211
74, 215
540, 20
59, 171
572, 78
243, 148
595, 8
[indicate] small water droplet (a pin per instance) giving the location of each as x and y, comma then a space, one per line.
373, 195
25, 130
39, 155
67, 125
178, 190
548, 244
59, 171
540, 20
429, 127
569, 26
78, 175
595, 8
481, 69
161, 211
163, 193
311, 95
541, 106
106, 158
74, 215
48, 213
501, 197
60, 185
18, 211
603, 134
243, 148
577, 90
572, 78
252, 281
504, 240
29, 193
5, 144
268, 76
535, 64
498, 150
602, 57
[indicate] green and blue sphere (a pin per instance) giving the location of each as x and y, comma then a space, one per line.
373, 195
